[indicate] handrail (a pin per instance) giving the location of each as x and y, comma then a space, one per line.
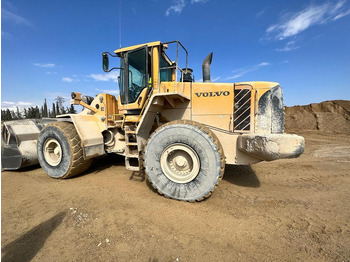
177, 47
176, 63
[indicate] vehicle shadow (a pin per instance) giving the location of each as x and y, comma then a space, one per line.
28, 245
24, 169
138, 176
103, 162
241, 176
238, 175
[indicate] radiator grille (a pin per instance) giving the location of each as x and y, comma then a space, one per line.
242, 110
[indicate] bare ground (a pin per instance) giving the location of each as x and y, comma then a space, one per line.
287, 210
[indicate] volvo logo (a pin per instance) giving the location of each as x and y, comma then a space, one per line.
211, 94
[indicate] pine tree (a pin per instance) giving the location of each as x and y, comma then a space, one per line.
3, 114
13, 115
45, 112
37, 112
18, 114
8, 115
33, 112
57, 109
71, 110
53, 110
30, 112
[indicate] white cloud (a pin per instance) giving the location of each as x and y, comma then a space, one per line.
260, 13
262, 64
293, 24
213, 80
114, 91
244, 70
70, 79
176, 7
19, 103
198, 1
341, 15
289, 46
13, 105
9, 16
67, 79
113, 76
49, 65
179, 5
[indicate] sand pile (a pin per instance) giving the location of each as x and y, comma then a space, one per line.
329, 117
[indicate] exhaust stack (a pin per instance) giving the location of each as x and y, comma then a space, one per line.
206, 68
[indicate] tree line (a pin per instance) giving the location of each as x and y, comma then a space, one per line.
36, 112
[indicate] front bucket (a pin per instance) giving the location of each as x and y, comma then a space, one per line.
18, 143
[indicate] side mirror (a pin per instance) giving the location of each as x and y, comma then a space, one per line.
105, 62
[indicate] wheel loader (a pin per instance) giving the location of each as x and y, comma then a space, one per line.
181, 133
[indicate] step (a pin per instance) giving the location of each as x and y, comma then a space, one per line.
130, 132
132, 144
132, 155
130, 167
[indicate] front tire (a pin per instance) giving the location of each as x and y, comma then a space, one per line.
184, 160
60, 152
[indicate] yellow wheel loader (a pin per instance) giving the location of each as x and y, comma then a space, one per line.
181, 133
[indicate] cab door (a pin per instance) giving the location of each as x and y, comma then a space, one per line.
134, 81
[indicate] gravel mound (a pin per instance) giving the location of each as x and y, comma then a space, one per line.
327, 117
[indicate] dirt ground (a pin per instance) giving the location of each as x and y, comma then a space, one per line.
287, 210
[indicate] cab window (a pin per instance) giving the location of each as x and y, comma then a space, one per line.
136, 73
121, 81
165, 74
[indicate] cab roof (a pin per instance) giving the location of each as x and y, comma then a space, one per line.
125, 49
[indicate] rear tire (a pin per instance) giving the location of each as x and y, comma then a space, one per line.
60, 152
184, 160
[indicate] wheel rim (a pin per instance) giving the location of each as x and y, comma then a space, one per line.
180, 163
52, 152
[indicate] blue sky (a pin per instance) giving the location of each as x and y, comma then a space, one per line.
51, 48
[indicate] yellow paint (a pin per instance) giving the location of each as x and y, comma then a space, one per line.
219, 121
212, 98
134, 105
155, 67
172, 87
259, 84
125, 49
261, 87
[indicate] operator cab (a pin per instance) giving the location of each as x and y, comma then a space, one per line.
141, 69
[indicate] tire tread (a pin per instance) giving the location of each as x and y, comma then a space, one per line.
214, 139
77, 164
